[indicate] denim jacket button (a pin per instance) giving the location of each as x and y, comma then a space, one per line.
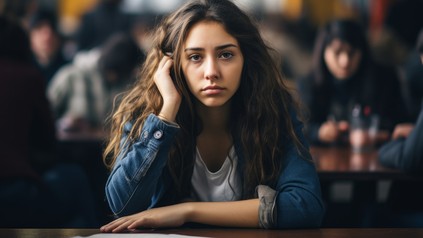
158, 134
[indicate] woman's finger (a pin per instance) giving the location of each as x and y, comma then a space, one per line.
123, 226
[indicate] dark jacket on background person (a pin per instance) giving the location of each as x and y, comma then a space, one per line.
27, 126
405, 153
35, 190
26, 122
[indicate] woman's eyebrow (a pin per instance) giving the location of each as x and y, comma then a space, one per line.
220, 47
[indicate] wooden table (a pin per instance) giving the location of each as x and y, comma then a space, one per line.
228, 233
85, 149
334, 163
367, 186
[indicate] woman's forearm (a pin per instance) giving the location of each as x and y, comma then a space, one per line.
243, 213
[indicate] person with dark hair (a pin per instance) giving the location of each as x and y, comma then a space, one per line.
347, 88
14, 43
142, 29
36, 190
82, 93
106, 19
344, 76
46, 43
209, 132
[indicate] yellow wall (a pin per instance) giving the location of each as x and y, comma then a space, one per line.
70, 12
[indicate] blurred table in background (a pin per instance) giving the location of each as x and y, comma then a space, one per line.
86, 150
342, 163
356, 188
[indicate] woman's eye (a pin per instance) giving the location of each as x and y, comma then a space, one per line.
194, 57
226, 55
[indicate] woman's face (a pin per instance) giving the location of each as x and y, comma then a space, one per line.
341, 59
212, 63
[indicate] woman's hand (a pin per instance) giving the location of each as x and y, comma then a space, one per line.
170, 216
171, 97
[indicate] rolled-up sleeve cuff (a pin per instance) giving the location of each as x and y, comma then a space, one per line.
267, 211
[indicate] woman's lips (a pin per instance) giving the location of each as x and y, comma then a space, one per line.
212, 90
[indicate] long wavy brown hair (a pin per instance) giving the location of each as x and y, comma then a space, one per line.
260, 111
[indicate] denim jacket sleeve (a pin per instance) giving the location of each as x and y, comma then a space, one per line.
136, 182
298, 199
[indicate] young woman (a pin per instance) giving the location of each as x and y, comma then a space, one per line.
344, 76
209, 133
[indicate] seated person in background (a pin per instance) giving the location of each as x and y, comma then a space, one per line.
413, 75
99, 24
405, 152
344, 76
82, 93
46, 43
35, 189
209, 133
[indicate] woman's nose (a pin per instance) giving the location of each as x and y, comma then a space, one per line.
344, 60
211, 69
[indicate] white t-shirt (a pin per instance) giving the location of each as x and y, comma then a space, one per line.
222, 185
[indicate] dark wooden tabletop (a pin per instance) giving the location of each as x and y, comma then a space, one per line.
342, 163
227, 233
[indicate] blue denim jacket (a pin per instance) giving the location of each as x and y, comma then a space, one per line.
137, 181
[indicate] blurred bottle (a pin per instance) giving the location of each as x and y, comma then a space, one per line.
363, 128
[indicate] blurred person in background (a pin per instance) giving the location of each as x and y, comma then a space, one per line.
82, 93
36, 189
405, 152
344, 82
142, 30
344, 75
46, 43
412, 73
99, 24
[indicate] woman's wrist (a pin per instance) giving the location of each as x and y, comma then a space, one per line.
189, 208
167, 121
169, 111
